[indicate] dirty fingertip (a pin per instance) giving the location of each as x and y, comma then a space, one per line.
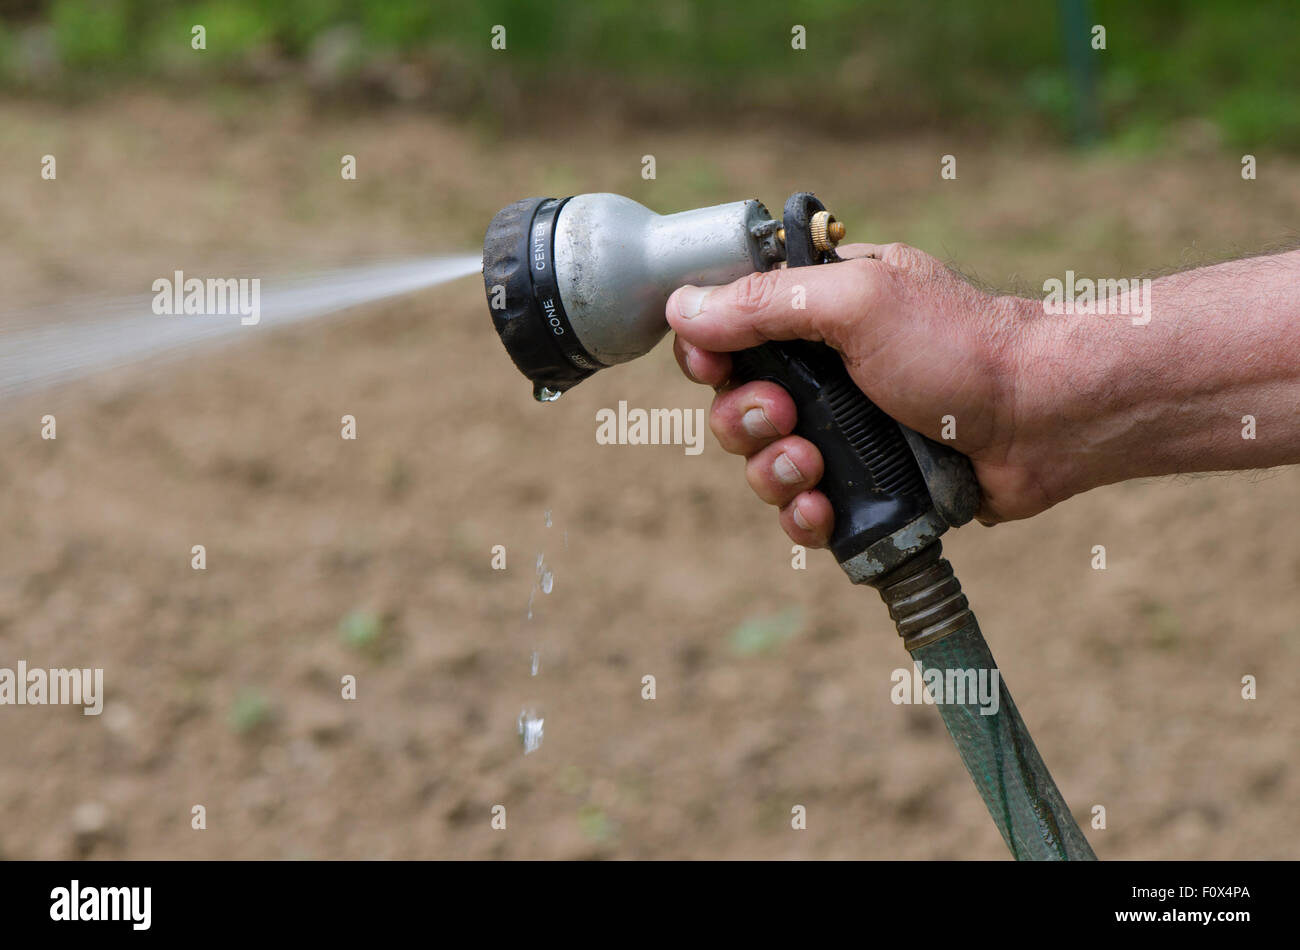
811, 519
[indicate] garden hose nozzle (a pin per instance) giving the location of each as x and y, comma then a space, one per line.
578, 284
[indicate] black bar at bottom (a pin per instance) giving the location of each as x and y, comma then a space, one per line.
938, 902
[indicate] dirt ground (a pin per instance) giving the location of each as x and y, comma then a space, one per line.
372, 558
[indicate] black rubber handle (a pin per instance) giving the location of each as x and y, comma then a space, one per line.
871, 477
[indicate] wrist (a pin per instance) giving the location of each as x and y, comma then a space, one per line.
1055, 404
1081, 389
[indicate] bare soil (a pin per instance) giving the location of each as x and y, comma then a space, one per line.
372, 558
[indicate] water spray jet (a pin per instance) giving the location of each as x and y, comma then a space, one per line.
91, 335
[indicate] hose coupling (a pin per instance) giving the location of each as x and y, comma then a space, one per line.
924, 598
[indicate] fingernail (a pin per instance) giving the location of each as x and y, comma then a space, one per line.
787, 472
692, 354
757, 424
690, 300
800, 520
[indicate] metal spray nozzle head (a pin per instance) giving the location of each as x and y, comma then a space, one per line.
578, 284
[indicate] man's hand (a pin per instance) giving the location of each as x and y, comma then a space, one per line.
917, 339
1044, 406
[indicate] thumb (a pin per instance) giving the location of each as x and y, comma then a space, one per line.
806, 303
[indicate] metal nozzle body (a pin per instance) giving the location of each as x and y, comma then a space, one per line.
617, 262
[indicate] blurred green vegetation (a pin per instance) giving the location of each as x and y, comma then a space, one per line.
870, 65
763, 634
250, 711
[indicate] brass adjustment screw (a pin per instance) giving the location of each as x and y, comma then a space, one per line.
826, 232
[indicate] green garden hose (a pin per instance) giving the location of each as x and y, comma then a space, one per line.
942, 635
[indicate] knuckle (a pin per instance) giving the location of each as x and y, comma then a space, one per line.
868, 285
898, 253
756, 292
905, 258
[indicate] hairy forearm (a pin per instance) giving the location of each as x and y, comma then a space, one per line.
1108, 397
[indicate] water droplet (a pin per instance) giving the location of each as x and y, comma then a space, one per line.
545, 394
537, 661
530, 730
548, 581
548, 517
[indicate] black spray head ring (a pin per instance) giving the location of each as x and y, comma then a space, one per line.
524, 299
